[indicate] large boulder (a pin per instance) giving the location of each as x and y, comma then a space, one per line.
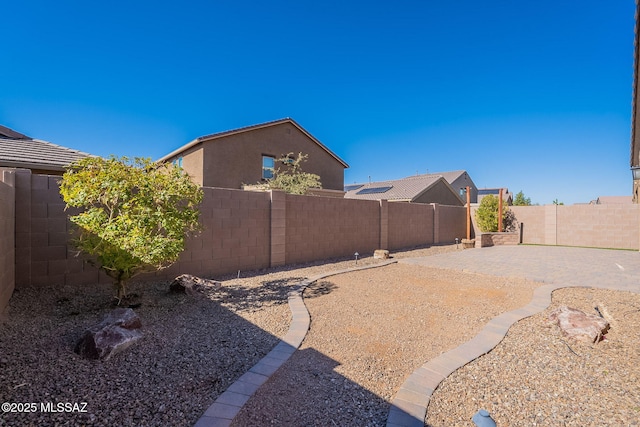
193, 285
114, 334
579, 325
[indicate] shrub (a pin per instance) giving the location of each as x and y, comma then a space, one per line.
135, 215
487, 215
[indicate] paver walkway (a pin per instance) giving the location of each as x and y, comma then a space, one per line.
557, 267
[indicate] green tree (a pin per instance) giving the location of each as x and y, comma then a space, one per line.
521, 200
556, 202
487, 214
290, 178
134, 215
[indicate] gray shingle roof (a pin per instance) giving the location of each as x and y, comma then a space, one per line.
36, 154
405, 189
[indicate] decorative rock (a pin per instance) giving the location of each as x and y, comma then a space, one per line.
186, 283
579, 325
381, 254
114, 334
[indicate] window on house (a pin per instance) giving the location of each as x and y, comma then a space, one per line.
178, 162
268, 166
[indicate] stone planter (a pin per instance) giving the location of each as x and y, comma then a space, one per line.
468, 243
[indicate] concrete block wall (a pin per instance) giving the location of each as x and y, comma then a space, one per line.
601, 226
7, 236
324, 227
533, 218
242, 230
235, 236
44, 254
410, 224
451, 224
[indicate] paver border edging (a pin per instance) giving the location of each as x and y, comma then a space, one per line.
221, 412
409, 406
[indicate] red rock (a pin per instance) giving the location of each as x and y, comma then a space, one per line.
579, 325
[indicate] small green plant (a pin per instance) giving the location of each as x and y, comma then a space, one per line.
290, 178
135, 214
487, 215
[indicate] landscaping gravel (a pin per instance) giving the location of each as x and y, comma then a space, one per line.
191, 351
369, 330
537, 377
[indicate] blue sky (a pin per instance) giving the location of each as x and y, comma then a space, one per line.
534, 96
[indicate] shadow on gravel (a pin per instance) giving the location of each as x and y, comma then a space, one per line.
282, 400
319, 288
192, 350
274, 292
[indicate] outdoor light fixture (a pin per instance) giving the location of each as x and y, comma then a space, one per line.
356, 255
635, 171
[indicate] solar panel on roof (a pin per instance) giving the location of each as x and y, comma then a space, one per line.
375, 190
352, 187
487, 191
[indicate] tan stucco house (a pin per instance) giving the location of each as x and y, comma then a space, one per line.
247, 155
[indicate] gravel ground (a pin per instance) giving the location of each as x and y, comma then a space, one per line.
369, 331
536, 377
192, 349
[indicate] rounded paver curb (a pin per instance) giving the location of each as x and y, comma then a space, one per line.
409, 406
230, 402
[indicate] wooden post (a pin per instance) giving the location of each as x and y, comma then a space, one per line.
500, 211
468, 214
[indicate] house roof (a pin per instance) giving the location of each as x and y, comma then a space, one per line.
496, 192
614, 200
406, 189
215, 136
35, 154
450, 176
5, 132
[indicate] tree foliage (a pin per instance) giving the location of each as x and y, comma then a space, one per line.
290, 178
487, 215
134, 215
521, 200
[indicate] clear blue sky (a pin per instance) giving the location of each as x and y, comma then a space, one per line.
534, 96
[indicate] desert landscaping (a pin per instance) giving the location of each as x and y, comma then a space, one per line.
370, 329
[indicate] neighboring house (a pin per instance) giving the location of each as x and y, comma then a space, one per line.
506, 196
614, 200
428, 188
459, 180
248, 155
42, 157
